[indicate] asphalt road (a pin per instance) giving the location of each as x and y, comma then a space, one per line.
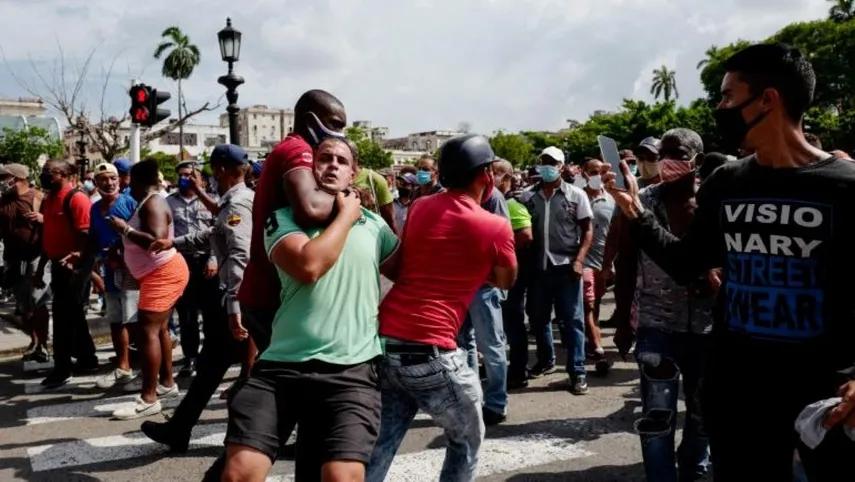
550, 435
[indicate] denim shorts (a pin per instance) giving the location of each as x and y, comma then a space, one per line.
122, 306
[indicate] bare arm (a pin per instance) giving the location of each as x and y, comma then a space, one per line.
154, 221
587, 237
523, 237
312, 206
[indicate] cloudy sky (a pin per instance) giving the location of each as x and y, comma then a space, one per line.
412, 65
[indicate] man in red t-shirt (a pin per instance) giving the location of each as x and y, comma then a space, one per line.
65, 231
449, 247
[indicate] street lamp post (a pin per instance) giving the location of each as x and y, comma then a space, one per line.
82, 161
229, 39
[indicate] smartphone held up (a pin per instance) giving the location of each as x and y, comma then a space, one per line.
611, 156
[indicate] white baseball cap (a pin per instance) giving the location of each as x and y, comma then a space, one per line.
554, 153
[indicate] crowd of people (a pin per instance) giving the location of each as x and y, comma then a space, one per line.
354, 299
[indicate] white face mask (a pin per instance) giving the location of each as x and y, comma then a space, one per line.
579, 182
595, 182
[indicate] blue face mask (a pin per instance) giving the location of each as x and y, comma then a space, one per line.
88, 186
549, 173
423, 177
633, 169
184, 183
322, 132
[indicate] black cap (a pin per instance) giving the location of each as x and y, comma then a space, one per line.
462, 154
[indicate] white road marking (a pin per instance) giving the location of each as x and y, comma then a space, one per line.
496, 456
120, 447
114, 447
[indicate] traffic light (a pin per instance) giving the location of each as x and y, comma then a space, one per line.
144, 105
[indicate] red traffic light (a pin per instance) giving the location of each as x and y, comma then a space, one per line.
142, 95
140, 115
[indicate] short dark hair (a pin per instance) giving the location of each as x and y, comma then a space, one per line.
66, 168
465, 179
780, 67
813, 140
315, 100
145, 173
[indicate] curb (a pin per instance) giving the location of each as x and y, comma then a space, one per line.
98, 328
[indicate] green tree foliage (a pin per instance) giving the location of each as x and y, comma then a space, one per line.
28, 145
178, 65
515, 148
166, 163
371, 154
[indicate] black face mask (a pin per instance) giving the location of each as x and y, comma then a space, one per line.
46, 180
403, 192
732, 126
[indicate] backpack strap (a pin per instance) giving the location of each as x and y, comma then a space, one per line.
66, 206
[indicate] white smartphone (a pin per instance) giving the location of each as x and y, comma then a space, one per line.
609, 151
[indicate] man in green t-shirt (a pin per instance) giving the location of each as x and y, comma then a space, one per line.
513, 308
320, 365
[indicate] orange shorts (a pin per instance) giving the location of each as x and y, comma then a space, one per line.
160, 289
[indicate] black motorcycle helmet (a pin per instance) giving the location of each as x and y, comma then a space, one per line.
460, 157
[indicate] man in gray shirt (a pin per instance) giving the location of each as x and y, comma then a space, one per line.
191, 217
593, 284
561, 225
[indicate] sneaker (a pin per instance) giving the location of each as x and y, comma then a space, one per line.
134, 385
138, 409
168, 392
493, 418
161, 433
40, 355
578, 386
541, 369
28, 353
56, 379
115, 377
516, 383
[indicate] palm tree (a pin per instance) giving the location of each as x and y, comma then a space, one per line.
178, 65
711, 54
842, 11
664, 83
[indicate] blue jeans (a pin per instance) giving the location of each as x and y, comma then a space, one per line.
558, 286
447, 389
483, 328
663, 357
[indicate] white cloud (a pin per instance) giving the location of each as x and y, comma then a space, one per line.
411, 65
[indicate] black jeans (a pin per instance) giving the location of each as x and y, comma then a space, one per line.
200, 295
71, 336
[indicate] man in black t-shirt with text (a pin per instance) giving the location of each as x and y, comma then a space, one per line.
776, 223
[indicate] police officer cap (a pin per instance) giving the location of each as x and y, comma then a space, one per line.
462, 154
229, 154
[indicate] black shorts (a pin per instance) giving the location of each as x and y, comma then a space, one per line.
337, 408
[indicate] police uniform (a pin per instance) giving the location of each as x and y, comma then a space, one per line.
229, 239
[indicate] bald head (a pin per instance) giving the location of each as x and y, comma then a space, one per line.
502, 168
317, 110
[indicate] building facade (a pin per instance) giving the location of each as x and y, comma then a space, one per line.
261, 127
428, 141
23, 107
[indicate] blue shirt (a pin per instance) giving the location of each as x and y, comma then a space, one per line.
104, 235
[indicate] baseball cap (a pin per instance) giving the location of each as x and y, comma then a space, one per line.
256, 167
123, 165
554, 153
105, 168
651, 144
229, 154
18, 171
408, 178
183, 164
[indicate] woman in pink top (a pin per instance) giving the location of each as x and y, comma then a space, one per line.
162, 278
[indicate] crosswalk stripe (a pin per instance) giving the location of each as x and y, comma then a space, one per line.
496, 456
120, 447
33, 385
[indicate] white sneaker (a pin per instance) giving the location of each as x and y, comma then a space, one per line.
116, 377
168, 392
138, 409
134, 385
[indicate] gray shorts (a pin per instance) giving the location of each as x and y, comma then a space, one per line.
27, 297
122, 306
